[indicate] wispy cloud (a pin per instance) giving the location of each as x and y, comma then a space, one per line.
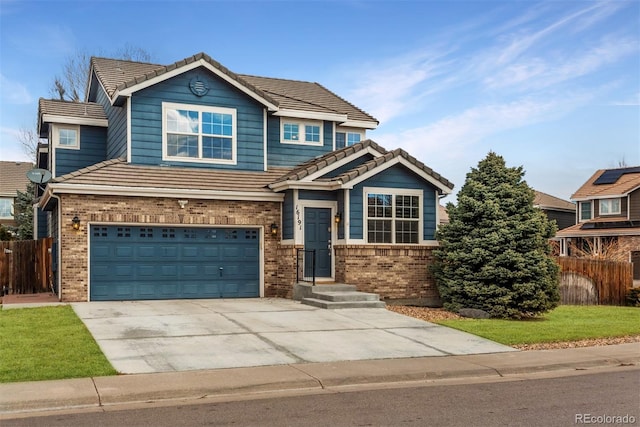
525, 71
539, 72
13, 92
450, 136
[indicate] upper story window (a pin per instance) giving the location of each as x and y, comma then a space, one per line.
393, 216
346, 139
294, 132
610, 207
6, 207
199, 133
66, 136
585, 211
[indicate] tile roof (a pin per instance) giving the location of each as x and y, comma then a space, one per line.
13, 177
623, 185
547, 201
379, 161
314, 165
89, 110
118, 173
117, 75
306, 96
579, 230
116, 72
322, 162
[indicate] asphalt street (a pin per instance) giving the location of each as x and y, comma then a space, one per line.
581, 398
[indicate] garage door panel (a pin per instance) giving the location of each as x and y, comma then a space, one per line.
168, 263
147, 251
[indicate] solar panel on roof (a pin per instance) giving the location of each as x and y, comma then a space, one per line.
611, 176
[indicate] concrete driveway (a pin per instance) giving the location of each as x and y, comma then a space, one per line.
183, 335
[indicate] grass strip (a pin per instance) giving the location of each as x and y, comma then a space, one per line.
565, 323
48, 343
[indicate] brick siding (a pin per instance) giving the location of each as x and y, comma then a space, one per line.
158, 211
396, 272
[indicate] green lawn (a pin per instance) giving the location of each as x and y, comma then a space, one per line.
47, 343
565, 323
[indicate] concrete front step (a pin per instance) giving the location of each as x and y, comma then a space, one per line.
344, 296
315, 302
335, 296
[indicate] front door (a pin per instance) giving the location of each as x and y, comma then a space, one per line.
317, 236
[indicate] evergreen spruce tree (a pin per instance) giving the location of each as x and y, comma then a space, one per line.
23, 213
494, 253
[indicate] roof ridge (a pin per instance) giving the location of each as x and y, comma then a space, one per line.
123, 60
347, 102
378, 161
310, 166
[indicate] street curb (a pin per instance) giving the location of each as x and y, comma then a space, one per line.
125, 389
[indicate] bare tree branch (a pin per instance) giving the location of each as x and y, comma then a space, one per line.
71, 85
28, 139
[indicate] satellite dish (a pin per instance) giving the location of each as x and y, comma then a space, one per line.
39, 176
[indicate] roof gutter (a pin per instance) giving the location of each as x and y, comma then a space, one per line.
302, 185
104, 190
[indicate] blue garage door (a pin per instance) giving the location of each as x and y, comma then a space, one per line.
137, 263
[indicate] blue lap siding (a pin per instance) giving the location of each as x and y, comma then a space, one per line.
396, 177
146, 120
93, 148
294, 154
117, 132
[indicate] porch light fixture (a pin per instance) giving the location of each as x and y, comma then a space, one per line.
337, 218
75, 223
274, 229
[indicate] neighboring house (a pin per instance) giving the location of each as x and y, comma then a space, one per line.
608, 216
192, 181
13, 178
561, 211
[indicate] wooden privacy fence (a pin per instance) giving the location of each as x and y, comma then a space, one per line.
25, 266
609, 281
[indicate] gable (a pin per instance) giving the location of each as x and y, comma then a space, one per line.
146, 112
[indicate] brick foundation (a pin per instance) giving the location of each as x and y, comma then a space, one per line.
394, 272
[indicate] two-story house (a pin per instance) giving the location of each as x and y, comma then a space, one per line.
556, 209
192, 181
608, 217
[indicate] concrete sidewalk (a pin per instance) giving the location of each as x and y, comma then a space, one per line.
303, 377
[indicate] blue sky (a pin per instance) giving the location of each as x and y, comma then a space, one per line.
551, 86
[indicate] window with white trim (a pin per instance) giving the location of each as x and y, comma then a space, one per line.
66, 136
199, 133
6, 208
393, 218
296, 132
585, 211
609, 207
347, 139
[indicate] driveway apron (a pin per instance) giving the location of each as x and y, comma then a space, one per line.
183, 335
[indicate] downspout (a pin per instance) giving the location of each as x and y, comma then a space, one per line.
59, 251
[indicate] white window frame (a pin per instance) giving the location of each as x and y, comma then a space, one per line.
609, 203
366, 191
200, 109
57, 128
301, 131
580, 219
11, 201
348, 131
